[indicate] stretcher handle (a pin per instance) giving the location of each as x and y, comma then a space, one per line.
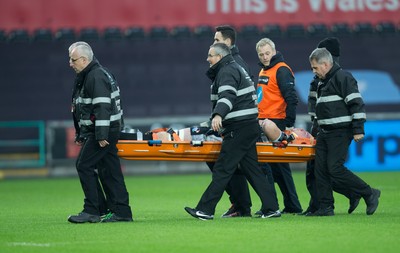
154, 142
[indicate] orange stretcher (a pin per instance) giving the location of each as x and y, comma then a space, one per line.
302, 149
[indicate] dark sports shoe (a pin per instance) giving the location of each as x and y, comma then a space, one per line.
328, 211
353, 204
289, 211
84, 217
112, 217
258, 213
233, 213
270, 214
199, 214
373, 201
309, 210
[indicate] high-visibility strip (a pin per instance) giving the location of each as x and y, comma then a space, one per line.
329, 99
332, 121
352, 96
227, 102
99, 100
226, 88
240, 113
246, 90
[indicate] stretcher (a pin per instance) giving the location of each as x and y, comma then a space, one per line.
302, 149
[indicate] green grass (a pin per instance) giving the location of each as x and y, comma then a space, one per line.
33, 218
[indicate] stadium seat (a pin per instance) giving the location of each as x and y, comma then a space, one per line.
89, 34
363, 28
341, 30
3, 36
295, 31
385, 28
204, 31
112, 34
249, 32
19, 36
42, 35
65, 34
317, 30
135, 33
158, 32
181, 32
272, 31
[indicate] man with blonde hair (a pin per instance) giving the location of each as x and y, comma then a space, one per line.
277, 101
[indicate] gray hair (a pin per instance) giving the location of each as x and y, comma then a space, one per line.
264, 42
321, 55
83, 49
221, 49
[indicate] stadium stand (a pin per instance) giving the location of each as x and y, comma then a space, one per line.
363, 28
134, 33
19, 36
272, 31
341, 30
181, 32
42, 35
317, 30
158, 32
385, 28
203, 31
249, 32
3, 36
295, 31
65, 34
89, 34
112, 34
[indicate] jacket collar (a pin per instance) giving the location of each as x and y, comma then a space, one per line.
277, 58
213, 71
335, 68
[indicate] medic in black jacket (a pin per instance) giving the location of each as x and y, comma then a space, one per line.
234, 115
341, 116
97, 114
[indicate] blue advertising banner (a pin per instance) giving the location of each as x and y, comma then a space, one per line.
380, 150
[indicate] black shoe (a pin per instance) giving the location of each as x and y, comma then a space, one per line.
270, 214
328, 211
289, 211
353, 204
309, 210
258, 213
199, 214
112, 217
235, 214
84, 217
373, 201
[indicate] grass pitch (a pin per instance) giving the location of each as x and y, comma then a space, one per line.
33, 218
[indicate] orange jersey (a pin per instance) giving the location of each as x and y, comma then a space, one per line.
271, 104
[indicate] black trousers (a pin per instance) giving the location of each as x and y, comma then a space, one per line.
112, 189
283, 178
312, 187
331, 153
238, 190
239, 148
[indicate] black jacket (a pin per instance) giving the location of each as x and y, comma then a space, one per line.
339, 103
232, 93
236, 56
96, 104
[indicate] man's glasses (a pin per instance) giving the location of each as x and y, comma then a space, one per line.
74, 60
212, 55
